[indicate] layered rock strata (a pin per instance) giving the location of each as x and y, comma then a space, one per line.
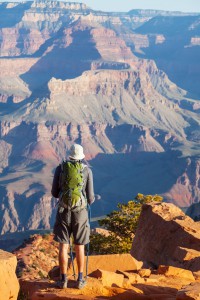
71, 74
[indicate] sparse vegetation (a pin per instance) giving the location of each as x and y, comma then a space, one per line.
122, 225
46, 236
42, 276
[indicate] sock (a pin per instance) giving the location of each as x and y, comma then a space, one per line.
80, 276
63, 277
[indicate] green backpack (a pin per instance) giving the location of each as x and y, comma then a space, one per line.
71, 185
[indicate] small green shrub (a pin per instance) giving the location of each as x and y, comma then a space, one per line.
122, 225
46, 236
41, 274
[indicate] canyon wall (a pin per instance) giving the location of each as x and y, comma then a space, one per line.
69, 74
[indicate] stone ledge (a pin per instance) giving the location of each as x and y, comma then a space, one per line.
9, 287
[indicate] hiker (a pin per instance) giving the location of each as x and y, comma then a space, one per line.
72, 214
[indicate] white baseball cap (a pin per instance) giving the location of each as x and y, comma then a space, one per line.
76, 152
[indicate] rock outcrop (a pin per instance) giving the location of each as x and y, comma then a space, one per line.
36, 257
191, 291
165, 235
165, 283
174, 271
9, 285
39, 256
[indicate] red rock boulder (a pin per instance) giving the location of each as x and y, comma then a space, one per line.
9, 285
166, 236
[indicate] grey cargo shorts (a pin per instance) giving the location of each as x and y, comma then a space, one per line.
72, 222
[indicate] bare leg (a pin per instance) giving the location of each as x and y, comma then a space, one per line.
80, 257
63, 258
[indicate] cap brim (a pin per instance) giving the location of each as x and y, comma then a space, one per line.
77, 157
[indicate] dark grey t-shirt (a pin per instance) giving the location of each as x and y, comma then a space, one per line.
88, 188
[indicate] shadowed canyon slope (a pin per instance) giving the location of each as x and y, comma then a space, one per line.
70, 74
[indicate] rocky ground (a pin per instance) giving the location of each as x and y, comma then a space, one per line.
162, 283
126, 285
168, 265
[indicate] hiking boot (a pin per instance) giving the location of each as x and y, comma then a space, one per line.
61, 284
81, 284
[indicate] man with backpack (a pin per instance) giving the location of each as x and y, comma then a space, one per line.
73, 185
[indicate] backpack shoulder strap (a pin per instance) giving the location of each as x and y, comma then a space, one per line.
61, 173
85, 168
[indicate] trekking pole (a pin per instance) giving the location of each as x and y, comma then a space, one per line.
88, 245
72, 260
88, 249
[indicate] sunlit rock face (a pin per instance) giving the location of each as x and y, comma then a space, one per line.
176, 234
9, 282
71, 74
172, 273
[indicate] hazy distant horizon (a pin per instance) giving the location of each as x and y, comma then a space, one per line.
127, 5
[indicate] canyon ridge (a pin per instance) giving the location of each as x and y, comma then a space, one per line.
124, 85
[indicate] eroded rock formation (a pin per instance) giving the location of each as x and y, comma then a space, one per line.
117, 276
165, 235
71, 74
